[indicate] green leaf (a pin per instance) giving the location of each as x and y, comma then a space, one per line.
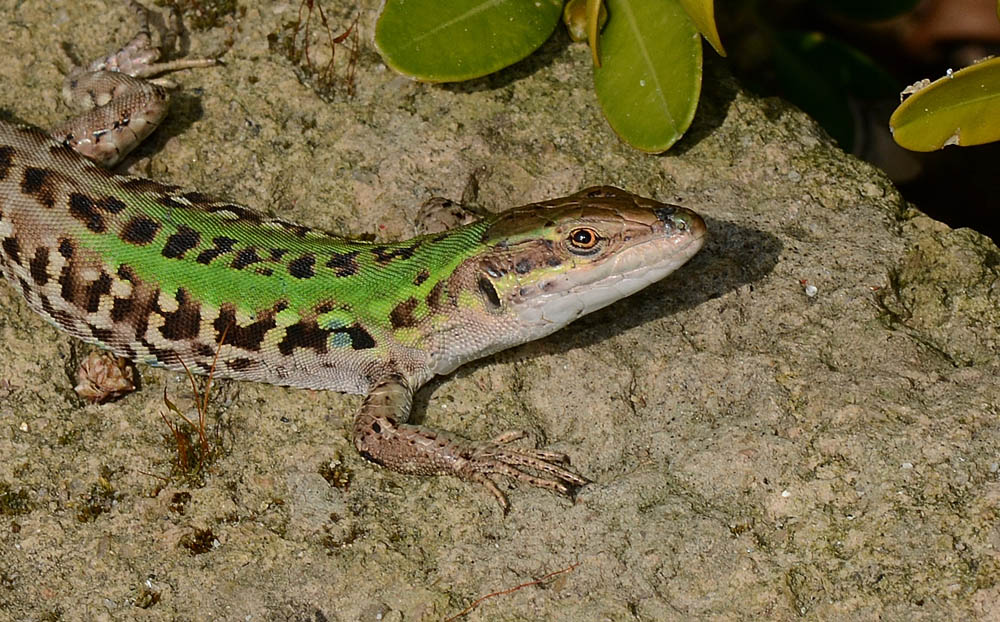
448, 41
702, 13
960, 109
650, 77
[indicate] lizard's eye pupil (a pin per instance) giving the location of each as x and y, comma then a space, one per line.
583, 238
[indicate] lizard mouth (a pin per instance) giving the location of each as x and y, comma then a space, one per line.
550, 304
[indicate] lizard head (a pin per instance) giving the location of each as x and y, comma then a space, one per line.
544, 265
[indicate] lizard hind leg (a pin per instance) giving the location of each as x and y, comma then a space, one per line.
121, 104
138, 58
382, 435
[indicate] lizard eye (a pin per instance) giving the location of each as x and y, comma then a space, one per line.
583, 239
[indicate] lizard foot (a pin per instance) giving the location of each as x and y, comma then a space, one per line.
382, 436
494, 457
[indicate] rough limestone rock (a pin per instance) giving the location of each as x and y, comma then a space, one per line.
759, 450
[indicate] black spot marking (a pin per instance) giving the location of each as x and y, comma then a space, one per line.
40, 183
111, 205
387, 254
361, 339
244, 258
141, 230
140, 319
12, 249
249, 337
65, 248
164, 356
240, 364
221, 245
204, 350
169, 201
298, 230
303, 267
197, 198
523, 266
305, 334
185, 322
489, 292
95, 291
125, 272
6, 160
46, 305
345, 264
278, 253
121, 308
104, 335
83, 209
125, 309
422, 276
63, 319
434, 296
39, 265
265, 271
401, 315
204, 366
554, 261
181, 242
376, 428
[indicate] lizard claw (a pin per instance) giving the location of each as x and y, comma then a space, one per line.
492, 457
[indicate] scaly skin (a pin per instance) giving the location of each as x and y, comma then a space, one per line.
158, 275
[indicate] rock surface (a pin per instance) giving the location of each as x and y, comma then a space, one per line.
757, 452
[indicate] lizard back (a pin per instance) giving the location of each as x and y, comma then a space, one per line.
158, 275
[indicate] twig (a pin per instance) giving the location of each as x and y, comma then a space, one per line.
537, 581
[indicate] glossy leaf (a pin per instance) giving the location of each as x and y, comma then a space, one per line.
702, 13
962, 108
594, 10
461, 39
650, 77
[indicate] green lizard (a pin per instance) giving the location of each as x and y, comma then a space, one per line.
158, 275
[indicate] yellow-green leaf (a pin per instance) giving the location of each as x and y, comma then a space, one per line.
594, 8
963, 108
702, 13
650, 77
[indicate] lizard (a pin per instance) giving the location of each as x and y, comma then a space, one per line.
169, 277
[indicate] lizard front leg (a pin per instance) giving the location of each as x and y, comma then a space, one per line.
382, 435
